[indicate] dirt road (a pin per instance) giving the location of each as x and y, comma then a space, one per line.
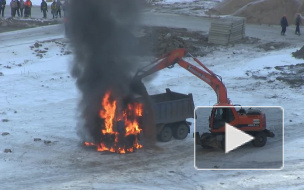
267, 33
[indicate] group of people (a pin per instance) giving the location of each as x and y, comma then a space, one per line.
21, 8
56, 8
284, 24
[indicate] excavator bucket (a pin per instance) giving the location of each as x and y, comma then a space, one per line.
208, 140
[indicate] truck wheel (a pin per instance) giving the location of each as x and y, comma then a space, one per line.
181, 131
260, 139
165, 135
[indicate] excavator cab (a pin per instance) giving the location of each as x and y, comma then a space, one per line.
251, 121
220, 116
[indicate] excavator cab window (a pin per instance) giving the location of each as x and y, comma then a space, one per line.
222, 116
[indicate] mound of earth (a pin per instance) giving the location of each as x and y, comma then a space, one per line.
261, 11
162, 40
11, 24
299, 53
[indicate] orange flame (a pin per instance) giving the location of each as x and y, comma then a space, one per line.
108, 113
110, 116
138, 109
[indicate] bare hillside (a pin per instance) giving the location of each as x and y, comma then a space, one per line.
261, 11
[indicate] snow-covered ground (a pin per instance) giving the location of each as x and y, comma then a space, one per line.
38, 100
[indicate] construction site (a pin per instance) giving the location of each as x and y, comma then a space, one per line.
131, 97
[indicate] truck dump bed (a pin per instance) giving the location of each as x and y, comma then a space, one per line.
171, 107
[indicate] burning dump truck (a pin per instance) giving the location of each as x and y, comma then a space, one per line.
171, 109
113, 112
120, 129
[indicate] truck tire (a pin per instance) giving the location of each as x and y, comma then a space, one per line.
165, 134
181, 131
260, 139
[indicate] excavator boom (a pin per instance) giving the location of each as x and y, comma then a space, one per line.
176, 56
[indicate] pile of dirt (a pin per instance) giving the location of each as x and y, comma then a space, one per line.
299, 53
11, 24
162, 40
291, 74
261, 11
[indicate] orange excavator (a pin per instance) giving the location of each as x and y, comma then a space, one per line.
251, 121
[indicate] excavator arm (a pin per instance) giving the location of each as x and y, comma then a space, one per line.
176, 56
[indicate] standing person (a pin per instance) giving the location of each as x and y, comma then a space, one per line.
284, 24
54, 9
18, 6
27, 8
21, 7
13, 6
2, 7
65, 7
59, 5
66, 19
298, 23
44, 8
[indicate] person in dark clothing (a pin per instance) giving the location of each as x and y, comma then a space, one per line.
284, 24
44, 8
27, 8
18, 6
65, 7
298, 23
54, 9
14, 7
66, 19
59, 5
2, 7
21, 7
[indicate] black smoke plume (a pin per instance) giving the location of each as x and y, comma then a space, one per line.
104, 48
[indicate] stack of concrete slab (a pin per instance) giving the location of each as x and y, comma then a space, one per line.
227, 30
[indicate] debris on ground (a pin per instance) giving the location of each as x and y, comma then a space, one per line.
47, 142
291, 74
5, 133
270, 46
11, 24
7, 150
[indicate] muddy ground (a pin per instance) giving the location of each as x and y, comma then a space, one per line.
158, 41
